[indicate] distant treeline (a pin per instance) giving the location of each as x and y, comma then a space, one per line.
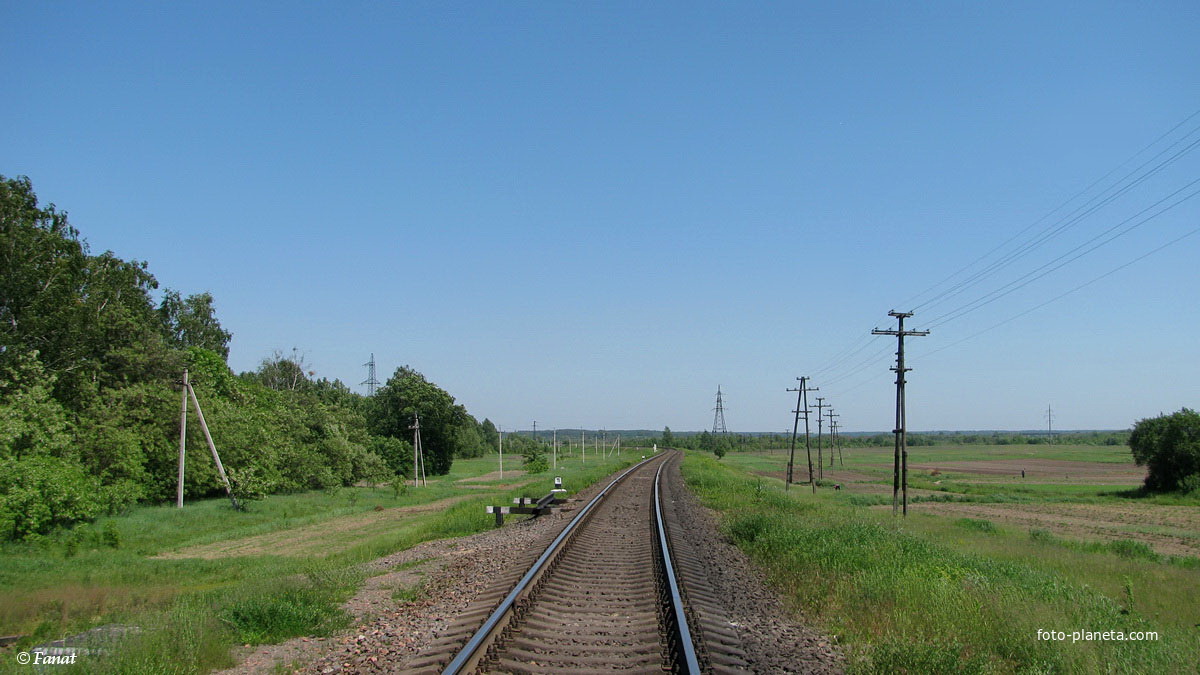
90, 366
744, 442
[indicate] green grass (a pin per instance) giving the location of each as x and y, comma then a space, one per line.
952, 596
195, 610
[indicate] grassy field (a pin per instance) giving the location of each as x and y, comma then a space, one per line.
984, 560
204, 578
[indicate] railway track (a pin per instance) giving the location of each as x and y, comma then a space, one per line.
618, 589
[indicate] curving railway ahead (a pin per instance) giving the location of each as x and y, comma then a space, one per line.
616, 590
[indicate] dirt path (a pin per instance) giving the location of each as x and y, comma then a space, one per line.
317, 539
1171, 530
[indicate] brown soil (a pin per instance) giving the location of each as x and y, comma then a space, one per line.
1043, 470
1171, 530
313, 540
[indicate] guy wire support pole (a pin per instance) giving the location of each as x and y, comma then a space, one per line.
795, 426
213, 448
804, 389
820, 423
900, 460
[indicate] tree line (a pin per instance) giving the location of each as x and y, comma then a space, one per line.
90, 364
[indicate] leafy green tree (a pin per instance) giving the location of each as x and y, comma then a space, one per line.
192, 322
490, 435
284, 373
32, 423
1169, 446
668, 439
406, 394
396, 453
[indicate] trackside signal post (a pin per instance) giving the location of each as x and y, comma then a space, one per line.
900, 461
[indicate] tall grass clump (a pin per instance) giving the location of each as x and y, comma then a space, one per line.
899, 602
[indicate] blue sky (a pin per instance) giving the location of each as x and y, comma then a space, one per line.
593, 214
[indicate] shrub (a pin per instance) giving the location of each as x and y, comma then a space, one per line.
248, 484
110, 535
1169, 446
535, 461
38, 494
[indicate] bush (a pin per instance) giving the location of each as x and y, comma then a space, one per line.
248, 484
535, 461
38, 494
1169, 446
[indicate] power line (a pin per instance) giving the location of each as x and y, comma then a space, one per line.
1035, 243
1066, 293
1033, 275
1055, 210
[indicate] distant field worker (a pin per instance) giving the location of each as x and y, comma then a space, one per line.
1022, 473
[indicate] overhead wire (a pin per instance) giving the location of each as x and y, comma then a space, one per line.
1049, 267
1040, 305
910, 301
838, 368
1072, 219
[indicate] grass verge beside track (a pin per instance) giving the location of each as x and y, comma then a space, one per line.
900, 599
195, 610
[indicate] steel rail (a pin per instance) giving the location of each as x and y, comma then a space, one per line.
684, 635
473, 645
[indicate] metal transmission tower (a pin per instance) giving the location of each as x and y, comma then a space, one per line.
1050, 423
372, 382
719, 415
900, 462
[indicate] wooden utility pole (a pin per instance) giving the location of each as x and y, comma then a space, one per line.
555, 446
182, 440
582, 445
211, 446
501, 432
900, 460
804, 389
795, 426
832, 435
820, 445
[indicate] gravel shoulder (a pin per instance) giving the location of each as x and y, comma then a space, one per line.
774, 639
